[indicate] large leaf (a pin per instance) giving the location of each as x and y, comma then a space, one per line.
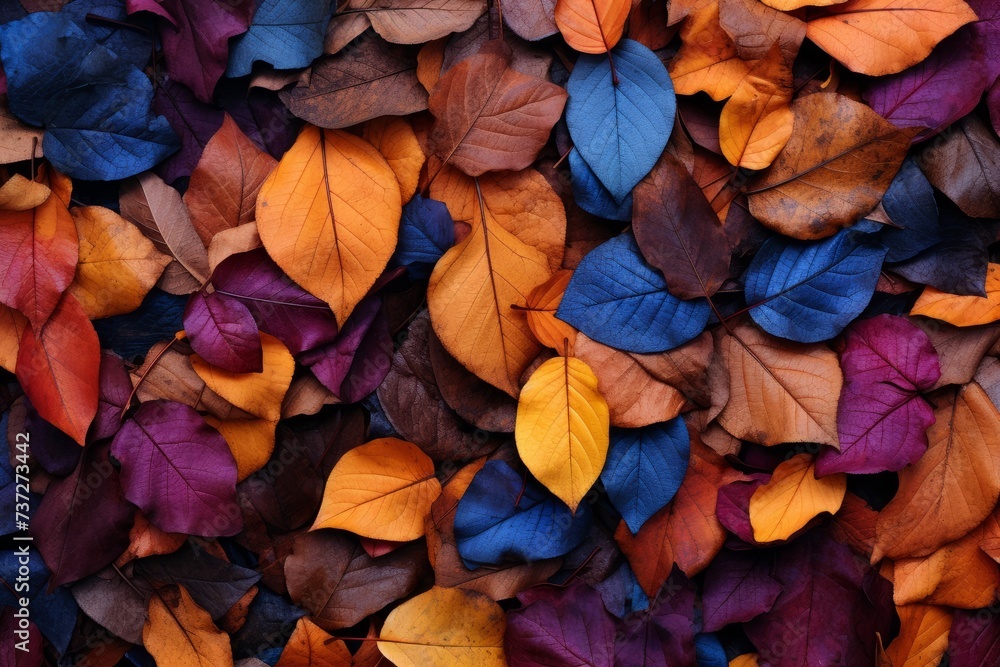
179, 633
616, 298
591, 26
329, 216
562, 428
678, 232
881, 417
775, 395
382, 489
620, 121
792, 498
488, 116
645, 467
447, 627
503, 515
809, 291
815, 187
59, 367
284, 34
952, 487
369, 80
879, 37
178, 470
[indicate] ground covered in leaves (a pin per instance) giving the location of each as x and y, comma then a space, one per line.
521, 332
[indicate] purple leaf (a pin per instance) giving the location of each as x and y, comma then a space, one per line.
881, 418
83, 521
738, 588
223, 332
192, 120
196, 45
993, 100
262, 117
57, 453
974, 639
114, 392
986, 32
663, 635
178, 470
822, 616
936, 92
560, 627
281, 308
354, 364
733, 506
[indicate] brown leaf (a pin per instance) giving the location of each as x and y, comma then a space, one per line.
955, 484
331, 576
222, 192
923, 636
309, 646
779, 391
592, 26
836, 166
531, 19
490, 117
525, 57
960, 349
964, 163
343, 28
540, 309
678, 232
754, 28
369, 80
959, 574
418, 21
17, 140
854, 525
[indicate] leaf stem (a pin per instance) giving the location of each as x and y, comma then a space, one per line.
142, 377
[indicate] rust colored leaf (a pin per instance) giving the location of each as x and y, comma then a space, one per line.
592, 26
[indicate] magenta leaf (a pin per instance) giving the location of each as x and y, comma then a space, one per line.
560, 627
192, 120
974, 639
280, 307
178, 470
83, 521
114, 392
738, 588
223, 332
881, 418
663, 635
733, 506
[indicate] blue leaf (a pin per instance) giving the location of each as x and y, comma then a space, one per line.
54, 613
622, 593
591, 195
910, 204
269, 615
708, 650
618, 299
620, 130
286, 34
645, 467
808, 291
490, 527
426, 231
131, 46
157, 318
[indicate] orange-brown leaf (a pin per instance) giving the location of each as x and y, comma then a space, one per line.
12, 326
958, 575
395, 139
792, 498
179, 633
541, 313
592, 26
707, 60
311, 646
962, 311
923, 635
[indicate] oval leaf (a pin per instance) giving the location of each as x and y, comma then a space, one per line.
792, 497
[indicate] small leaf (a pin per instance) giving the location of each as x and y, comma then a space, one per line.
541, 313
179, 633
283, 33
261, 393
591, 26
382, 490
310, 646
962, 311
923, 635
562, 428
222, 331
792, 498
418, 21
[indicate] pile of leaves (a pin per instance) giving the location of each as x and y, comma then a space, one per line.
533, 332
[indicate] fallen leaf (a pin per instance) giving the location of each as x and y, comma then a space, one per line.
923, 635
707, 60
591, 26
310, 646
180, 633
261, 393
395, 139
541, 309
792, 497
963, 164
962, 311
417, 21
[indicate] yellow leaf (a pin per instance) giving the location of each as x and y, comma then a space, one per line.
445, 627
260, 394
562, 428
12, 326
745, 660
923, 636
329, 216
756, 122
22, 194
118, 264
179, 633
311, 646
395, 139
543, 301
707, 60
250, 440
592, 26
383, 490
792, 497
962, 311
470, 298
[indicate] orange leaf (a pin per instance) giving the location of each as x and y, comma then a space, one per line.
792, 498
879, 37
470, 295
260, 394
962, 311
958, 574
222, 192
395, 139
59, 369
756, 122
118, 265
953, 487
592, 26
179, 633
923, 636
541, 313
311, 646
490, 117
383, 490
12, 326
707, 60
250, 440
329, 216
22, 194
779, 391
